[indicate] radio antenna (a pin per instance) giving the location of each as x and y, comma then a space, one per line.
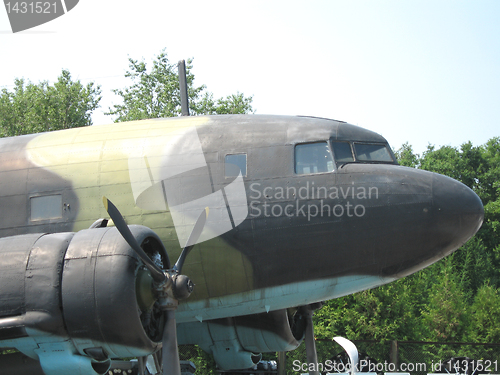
183, 86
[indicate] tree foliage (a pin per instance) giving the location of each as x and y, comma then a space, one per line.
407, 157
485, 310
369, 315
232, 104
33, 108
445, 316
155, 93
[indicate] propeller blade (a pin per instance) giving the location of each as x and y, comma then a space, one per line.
351, 350
311, 353
193, 237
170, 353
141, 364
124, 230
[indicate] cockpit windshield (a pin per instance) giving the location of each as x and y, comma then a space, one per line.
342, 152
372, 152
319, 157
360, 152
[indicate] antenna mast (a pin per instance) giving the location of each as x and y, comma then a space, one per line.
183, 86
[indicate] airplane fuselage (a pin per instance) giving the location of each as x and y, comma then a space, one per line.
301, 209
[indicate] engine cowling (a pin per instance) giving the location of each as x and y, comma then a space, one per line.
99, 284
81, 298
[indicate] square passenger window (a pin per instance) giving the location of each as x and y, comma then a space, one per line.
313, 158
234, 163
46, 207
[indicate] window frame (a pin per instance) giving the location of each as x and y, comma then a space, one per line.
351, 146
246, 164
308, 143
385, 145
42, 219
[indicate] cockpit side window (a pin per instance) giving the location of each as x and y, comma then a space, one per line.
371, 152
313, 158
342, 152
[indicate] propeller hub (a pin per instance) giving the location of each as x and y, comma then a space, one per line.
183, 287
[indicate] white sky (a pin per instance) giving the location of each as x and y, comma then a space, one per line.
417, 71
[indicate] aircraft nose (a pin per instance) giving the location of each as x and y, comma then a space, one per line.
458, 212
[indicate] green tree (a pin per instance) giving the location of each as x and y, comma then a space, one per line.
445, 316
33, 108
155, 93
490, 188
384, 313
489, 192
465, 164
486, 312
407, 157
232, 104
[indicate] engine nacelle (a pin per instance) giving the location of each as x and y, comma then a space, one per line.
99, 298
79, 298
234, 342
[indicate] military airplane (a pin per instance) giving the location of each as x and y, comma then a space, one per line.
264, 216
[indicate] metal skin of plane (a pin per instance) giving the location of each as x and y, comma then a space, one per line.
287, 212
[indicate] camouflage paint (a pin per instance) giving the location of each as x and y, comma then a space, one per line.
416, 218
102, 161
